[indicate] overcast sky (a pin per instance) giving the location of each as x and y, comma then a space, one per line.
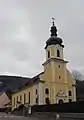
24, 29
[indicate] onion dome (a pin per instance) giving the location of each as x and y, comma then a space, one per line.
53, 40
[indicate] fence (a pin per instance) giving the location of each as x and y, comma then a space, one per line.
73, 107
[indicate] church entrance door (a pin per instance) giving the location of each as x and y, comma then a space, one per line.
60, 101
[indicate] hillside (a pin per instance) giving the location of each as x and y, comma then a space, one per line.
9, 83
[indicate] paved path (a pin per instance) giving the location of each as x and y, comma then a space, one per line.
4, 116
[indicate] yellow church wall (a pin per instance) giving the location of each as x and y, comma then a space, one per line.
41, 76
70, 78
54, 88
48, 72
71, 85
53, 67
54, 84
60, 69
49, 86
61, 52
48, 82
47, 77
58, 47
65, 88
60, 87
51, 94
25, 91
52, 50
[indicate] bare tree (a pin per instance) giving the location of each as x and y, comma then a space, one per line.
77, 75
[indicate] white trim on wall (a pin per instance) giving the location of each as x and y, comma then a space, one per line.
40, 94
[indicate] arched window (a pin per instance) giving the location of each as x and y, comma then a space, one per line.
60, 101
20, 98
46, 91
17, 98
69, 93
24, 98
70, 100
58, 53
36, 91
14, 101
29, 97
47, 101
48, 54
36, 100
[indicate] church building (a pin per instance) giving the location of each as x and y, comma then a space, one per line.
55, 84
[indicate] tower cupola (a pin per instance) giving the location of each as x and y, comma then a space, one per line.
54, 39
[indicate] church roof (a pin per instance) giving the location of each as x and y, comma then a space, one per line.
31, 82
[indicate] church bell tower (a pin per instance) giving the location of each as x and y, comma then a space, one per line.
54, 46
55, 65
56, 76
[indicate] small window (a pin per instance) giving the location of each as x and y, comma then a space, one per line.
36, 100
20, 97
59, 66
48, 54
58, 53
59, 77
24, 98
69, 93
70, 100
14, 101
47, 101
29, 97
36, 91
46, 91
17, 98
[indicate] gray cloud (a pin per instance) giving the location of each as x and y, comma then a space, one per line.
24, 29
